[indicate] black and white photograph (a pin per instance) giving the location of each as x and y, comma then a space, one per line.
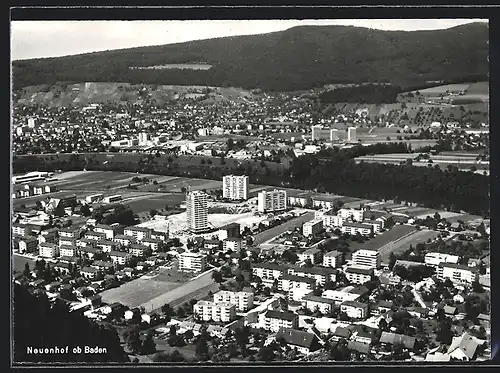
238, 192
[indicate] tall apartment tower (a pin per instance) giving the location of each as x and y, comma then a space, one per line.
351, 134
272, 200
197, 211
235, 187
315, 132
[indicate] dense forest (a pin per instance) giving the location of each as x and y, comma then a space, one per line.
298, 58
39, 324
332, 170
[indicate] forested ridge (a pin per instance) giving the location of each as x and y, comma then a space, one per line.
298, 58
333, 171
40, 324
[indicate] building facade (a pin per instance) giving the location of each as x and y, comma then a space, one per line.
366, 258
210, 311
273, 200
197, 211
235, 187
192, 262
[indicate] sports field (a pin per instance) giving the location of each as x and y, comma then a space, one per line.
381, 240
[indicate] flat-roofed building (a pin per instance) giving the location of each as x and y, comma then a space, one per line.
313, 302
313, 227
332, 259
124, 240
314, 255
359, 275
274, 320
354, 309
235, 187
137, 249
138, 233
48, 250
210, 311
28, 244
354, 228
120, 257
437, 258
288, 282
271, 200
457, 273
243, 300
192, 262
319, 274
366, 258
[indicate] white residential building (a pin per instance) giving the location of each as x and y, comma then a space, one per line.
340, 296
274, 320
359, 275
288, 282
367, 258
192, 262
332, 259
242, 300
354, 214
354, 228
335, 221
457, 273
235, 187
312, 227
120, 257
197, 211
65, 250
312, 302
210, 311
314, 255
233, 244
351, 134
272, 200
268, 271
139, 233
436, 258
28, 244
354, 309
48, 250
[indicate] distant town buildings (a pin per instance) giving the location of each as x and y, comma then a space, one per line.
235, 187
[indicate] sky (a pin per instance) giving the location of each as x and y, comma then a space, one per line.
38, 39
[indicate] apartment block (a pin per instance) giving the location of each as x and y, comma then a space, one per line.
354, 228
192, 262
332, 259
139, 233
28, 244
210, 311
366, 258
48, 250
242, 300
197, 212
272, 200
457, 273
313, 303
314, 255
312, 227
274, 320
235, 187
359, 275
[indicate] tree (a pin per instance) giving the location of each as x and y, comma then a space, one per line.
392, 260
202, 348
27, 270
181, 313
153, 212
148, 346
382, 325
134, 342
477, 287
217, 276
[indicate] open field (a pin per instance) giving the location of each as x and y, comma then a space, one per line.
403, 243
289, 225
18, 263
442, 89
185, 292
478, 88
381, 240
155, 202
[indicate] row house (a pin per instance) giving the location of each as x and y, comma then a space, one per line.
106, 245
319, 274
138, 233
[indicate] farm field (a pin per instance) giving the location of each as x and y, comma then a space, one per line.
443, 88
155, 202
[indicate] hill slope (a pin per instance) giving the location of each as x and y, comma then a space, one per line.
298, 58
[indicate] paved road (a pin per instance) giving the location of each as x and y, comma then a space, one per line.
291, 224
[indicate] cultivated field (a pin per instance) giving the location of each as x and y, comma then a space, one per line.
442, 89
155, 202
